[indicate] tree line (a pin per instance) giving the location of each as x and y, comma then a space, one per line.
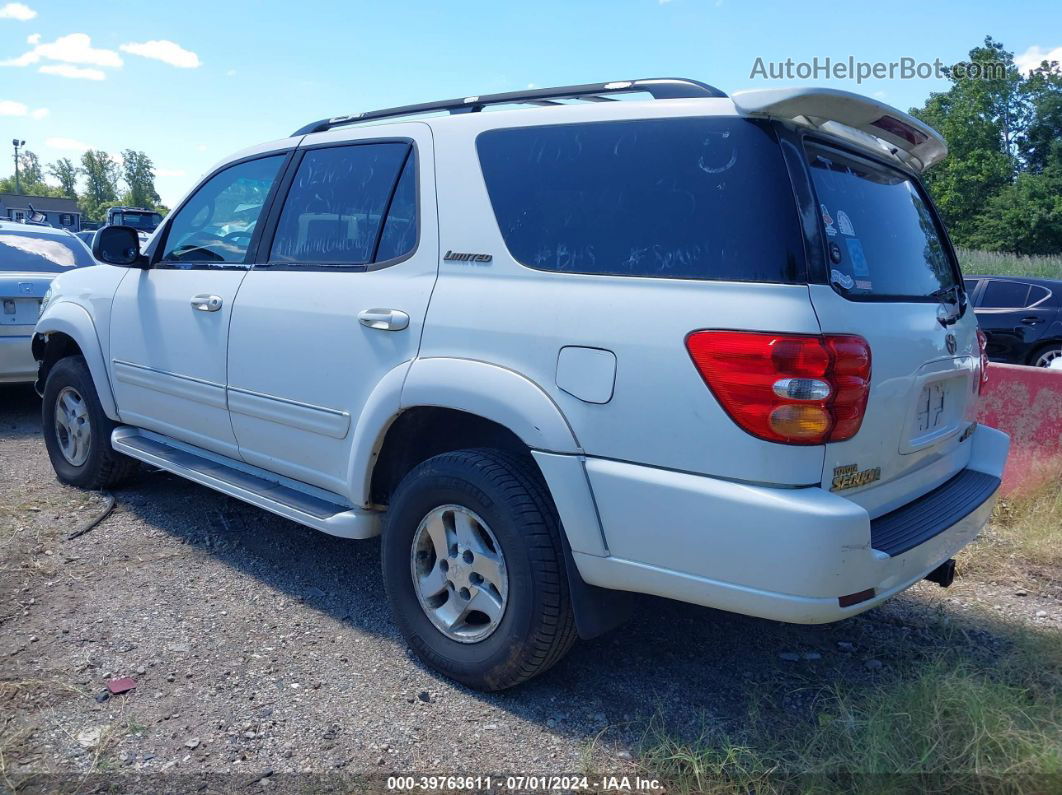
1000, 187
106, 182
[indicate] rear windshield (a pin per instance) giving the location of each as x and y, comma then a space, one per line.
688, 198
41, 253
143, 221
881, 238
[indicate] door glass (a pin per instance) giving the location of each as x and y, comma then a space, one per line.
217, 223
1004, 295
334, 209
400, 229
1036, 294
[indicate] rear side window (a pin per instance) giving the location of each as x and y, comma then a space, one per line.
881, 237
1000, 294
689, 198
31, 253
334, 211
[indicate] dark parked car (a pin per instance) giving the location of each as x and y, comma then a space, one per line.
1020, 315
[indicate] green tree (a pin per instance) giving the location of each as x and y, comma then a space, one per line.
1040, 144
139, 174
101, 184
66, 173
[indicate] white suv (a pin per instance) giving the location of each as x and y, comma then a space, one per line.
711, 348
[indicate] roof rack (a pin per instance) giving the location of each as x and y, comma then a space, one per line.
657, 87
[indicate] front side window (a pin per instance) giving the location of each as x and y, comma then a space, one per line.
685, 198
217, 223
334, 211
881, 237
32, 253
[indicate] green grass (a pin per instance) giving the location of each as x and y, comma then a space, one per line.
951, 714
991, 263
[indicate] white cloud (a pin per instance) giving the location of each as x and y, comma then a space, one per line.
66, 144
33, 38
169, 172
200, 147
231, 73
73, 72
19, 11
9, 107
880, 94
1031, 58
72, 48
162, 50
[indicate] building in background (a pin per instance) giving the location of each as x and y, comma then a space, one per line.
58, 212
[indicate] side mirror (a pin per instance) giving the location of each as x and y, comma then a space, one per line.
118, 245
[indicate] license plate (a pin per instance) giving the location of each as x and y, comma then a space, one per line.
932, 407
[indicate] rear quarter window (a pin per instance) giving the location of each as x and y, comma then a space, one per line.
688, 198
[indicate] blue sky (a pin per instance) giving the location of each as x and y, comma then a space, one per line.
190, 82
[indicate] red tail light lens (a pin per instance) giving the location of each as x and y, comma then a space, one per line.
789, 388
982, 345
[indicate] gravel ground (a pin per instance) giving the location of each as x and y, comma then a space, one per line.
262, 648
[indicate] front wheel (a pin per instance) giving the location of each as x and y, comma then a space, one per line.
474, 569
77, 433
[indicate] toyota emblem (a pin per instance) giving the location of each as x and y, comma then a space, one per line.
951, 343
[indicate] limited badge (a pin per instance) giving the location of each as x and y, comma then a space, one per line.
849, 477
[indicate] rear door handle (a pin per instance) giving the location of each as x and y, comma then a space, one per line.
1032, 320
206, 303
384, 319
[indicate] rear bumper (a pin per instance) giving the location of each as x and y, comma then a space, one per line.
16, 360
784, 554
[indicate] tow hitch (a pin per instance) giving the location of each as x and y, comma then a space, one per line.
944, 574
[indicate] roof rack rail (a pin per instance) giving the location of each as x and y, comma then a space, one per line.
657, 87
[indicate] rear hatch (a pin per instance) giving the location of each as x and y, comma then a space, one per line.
893, 280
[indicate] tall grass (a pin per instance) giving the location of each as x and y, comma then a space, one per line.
992, 263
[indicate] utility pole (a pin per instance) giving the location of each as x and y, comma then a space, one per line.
17, 143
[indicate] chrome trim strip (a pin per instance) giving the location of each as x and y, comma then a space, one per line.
192, 378
289, 401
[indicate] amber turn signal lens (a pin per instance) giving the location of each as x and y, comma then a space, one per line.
800, 422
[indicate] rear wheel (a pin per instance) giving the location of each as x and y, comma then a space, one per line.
1044, 356
474, 569
77, 434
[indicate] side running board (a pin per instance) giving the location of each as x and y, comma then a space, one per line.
299, 502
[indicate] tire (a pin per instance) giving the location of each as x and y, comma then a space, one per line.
89, 462
503, 498
1045, 354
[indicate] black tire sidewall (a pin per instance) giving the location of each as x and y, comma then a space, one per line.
446, 482
72, 371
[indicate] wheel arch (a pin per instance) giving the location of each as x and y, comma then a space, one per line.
66, 329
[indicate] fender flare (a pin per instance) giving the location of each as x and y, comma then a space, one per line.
72, 319
495, 393
486, 390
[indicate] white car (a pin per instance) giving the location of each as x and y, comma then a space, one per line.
31, 255
711, 348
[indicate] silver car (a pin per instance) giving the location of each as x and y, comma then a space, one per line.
30, 257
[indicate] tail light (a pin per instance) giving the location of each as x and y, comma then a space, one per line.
982, 345
789, 388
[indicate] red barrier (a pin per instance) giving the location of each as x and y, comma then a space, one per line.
1025, 402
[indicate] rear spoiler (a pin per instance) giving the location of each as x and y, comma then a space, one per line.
861, 120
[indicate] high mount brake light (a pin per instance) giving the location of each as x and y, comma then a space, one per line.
788, 388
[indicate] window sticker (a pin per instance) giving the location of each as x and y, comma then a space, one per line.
827, 219
864, 284
844, 223
842, 279
859, 260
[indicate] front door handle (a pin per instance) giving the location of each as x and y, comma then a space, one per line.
384, 319
206, 303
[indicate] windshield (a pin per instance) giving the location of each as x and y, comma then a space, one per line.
142, 221
881, 237
41, 253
